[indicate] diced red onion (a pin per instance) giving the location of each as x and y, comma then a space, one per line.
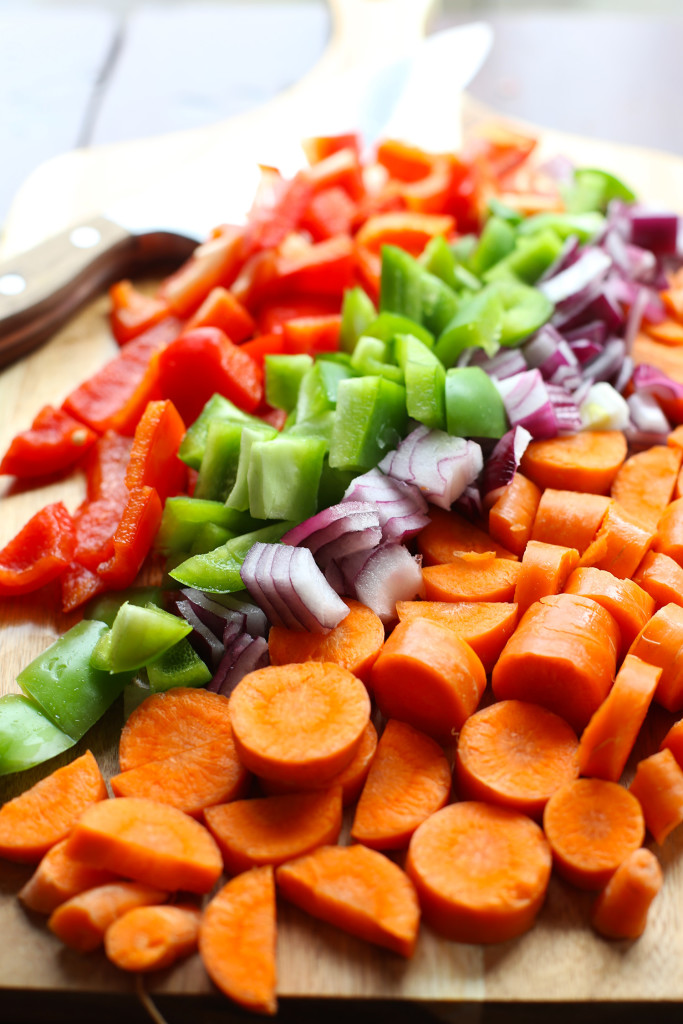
595, 332
504, 460
634, 262
568, 255
591, 266
256, 622
214, 615
624, 375
337, 531
585, 349
527, 403
655, 231
246, 655
276, 595
647, 418
401, 507
205, 642
606, 365
440, 465
548, 352
635, 319
389, 574
603, 306
469, 504
567, 415
650, 380
506, 363
251, 575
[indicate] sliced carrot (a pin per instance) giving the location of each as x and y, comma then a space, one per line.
587, 461
273, 829
645, 482
668, 332
673, 301
569, 518
631, 606
511, 518
472, 577
485, 626
449, 534
660, 643
57, 878
562, 655
44, 814
82, 921
674, 741
481, 872
675, 438
354, 643
427, 676
544, 571
148, 842
609, 737
592, 825
409, 779
516, 755
237, 938
299, 722
358, 890
621, 909
666, 358
669, 536
658, 785
620, 544
152, 938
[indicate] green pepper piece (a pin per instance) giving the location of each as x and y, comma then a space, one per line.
333, 484
425, 379
180, 665
532, 255
61, 681
209, 537
184, 518
283, 378
497, 240
463, 248
317, 426
219, 463
239, 496
584, 225
283, 477
358, 312
370, 420
27, 736
408, 289
192, 446
477, 324
594, 189
137, 637
318, 390
104, 608
504, 212
439, 258
474, 407
371, 356
218, 571
388, 325
525, 309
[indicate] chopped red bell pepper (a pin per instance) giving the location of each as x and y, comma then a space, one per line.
53, 442
78, 586
325, 268
273, 315
312, 334
133, 538
133, 312
106, 467
221, 309
341, 169
212, 264
154, 458
330, 212
403, 161
368, 271
98, 517
319, 147
269, 224
265, 345
408, 230
39, 553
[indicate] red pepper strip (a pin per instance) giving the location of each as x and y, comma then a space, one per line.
78, 586
133, 312
39, 553
270, 224
318, 147
98, 517
432, 193
133, 538
340, 169
325, 268
216, 262
273, 315
115, 397
407, 229
312, 334
404, 162
107, 465
221, 309
154, 458
330, 212
202, 362
264, 345
254, 278
53, 442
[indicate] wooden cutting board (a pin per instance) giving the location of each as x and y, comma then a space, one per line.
560, 960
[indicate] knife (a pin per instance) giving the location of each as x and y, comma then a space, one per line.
43, 286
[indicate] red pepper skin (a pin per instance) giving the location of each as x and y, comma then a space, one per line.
318, 147
312, 334
133, 312
202, 362
98, 517
78, 586
264, 345
133, 539
54, 442
330, 212
154, 458
215, 263
222, 309
325, 268
106, 467
39, 553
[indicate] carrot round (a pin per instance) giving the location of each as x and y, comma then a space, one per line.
621, 909
658, 785
484, 625
354, 643
587, 461
152, 938
631, 606
409, 779
425, 675
669, 536
562, 655
609, 737
57, 878
237, 938
568, 518
620, 544
511, 518
358, 890
645, 482
273, 829
515, 754
674, 741
298, 723
592, 825
481, 872
544, 571
660, 577
471, 577
148, 842
660, 643
82, 921
44, 814
448, 534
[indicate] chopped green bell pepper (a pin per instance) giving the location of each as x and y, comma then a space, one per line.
180, 665
219, 463
27, 736
358, 312
370, 420
497, 240
283, 375
283, 477
239, 496
474, 407
184, 518
425, 381
192, 446
318, 389
218, 571
137, 637
477, 324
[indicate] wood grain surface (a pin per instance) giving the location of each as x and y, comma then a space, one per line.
559, 962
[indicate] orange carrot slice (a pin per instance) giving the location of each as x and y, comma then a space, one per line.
44, 814
658, 785
668, 332
621, 909
544, 571
660, 577
447, 535
471, 577
631, 606
645, 483
358, 890
674, 741
481, 872
620, 544
298, 723
587, 461
516, 755
562, 655
592, 825
409, 779
660, 643
569, 518
237, 938
669, 536
485, 626
425, 675
57, 878
274, 829
152, 938
511, 518
148, 842
82, 921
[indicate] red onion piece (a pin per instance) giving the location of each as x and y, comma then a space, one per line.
401, 507
548, 352
339, 530
585, 349
650, 380
506, 362
607, 364
635, 319
624, 375
245, 655
256, 622
250, 577
566, 410
440, 465
209, 648
214, 615
655, 231
504, 460
591, 266
389, 574
528, 404
595, 332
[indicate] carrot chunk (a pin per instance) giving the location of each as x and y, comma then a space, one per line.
484, 625
511, 518
274, 829
447, 534
237, 938
660, 643
409, 779
674, 741
658, 785
609, 737
568, 518
516, 755
481, 872
587, 461
358, 890
425, 675
621, 909
148, 842
619, 545
57, 878
299, 722
661, 578
669, 536
645, 482
82, 921
562, 655
544, 571
592, 825
151, 938
471, 577
43, 815
631, 606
